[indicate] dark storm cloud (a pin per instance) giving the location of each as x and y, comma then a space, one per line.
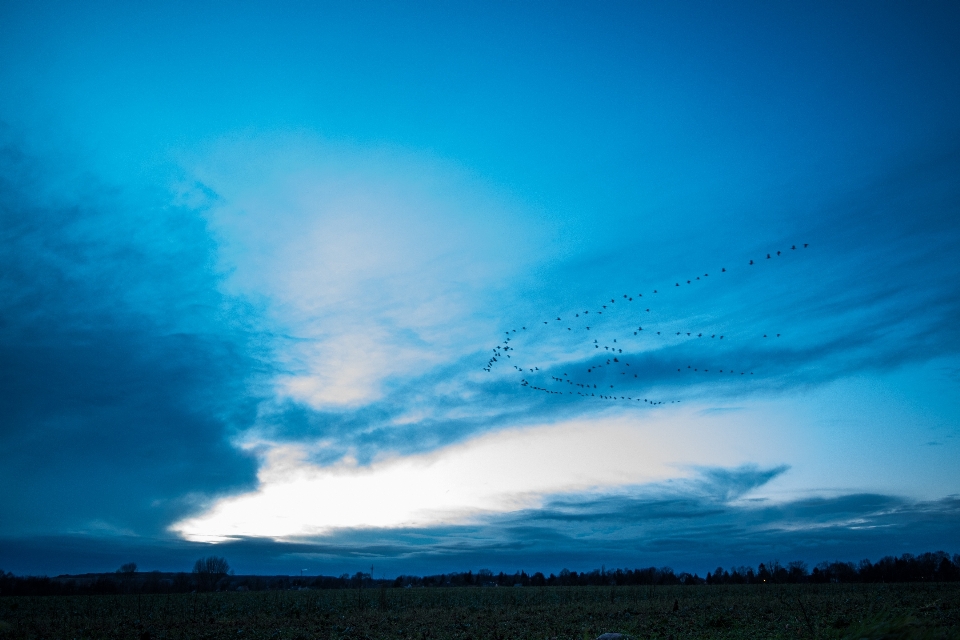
123, 372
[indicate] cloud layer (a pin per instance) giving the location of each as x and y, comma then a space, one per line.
121, 359
692, 525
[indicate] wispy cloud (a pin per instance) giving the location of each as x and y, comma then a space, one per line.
374, 264
873, 292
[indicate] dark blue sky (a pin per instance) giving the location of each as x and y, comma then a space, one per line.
255, 263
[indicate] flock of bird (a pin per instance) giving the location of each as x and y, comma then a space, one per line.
594, 379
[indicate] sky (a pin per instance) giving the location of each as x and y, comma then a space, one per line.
443, 287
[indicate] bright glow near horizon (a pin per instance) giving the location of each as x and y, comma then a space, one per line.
493, 473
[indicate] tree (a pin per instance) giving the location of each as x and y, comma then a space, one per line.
126, 574
209, 571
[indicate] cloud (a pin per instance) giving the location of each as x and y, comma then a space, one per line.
124, 369
377, 374
334, 306
692, 525
374, 264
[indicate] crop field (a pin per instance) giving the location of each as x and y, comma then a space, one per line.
728, 611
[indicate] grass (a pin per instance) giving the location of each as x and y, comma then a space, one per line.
574, 613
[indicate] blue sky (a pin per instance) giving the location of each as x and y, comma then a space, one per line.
256, 261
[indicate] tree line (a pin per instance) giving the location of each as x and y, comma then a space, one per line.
213, 574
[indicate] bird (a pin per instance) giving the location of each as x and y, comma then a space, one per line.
805, 245
768, 256
751, 262
723, 270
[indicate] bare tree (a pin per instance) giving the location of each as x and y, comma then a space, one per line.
210, 571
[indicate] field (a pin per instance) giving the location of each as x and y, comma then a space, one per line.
729, 611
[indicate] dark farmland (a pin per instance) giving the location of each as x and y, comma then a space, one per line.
704, 611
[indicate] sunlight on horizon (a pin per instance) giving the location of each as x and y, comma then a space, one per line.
494, 473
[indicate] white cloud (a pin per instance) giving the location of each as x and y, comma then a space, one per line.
373, 263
